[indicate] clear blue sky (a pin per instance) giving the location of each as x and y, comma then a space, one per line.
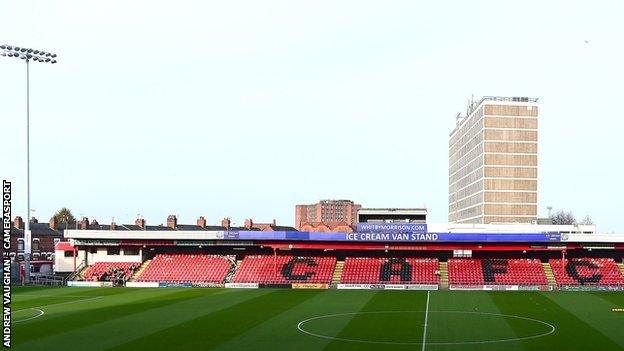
245, 108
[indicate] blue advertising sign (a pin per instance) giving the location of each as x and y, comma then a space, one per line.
391, 228
394, 237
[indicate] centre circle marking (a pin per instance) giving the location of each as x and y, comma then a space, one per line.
301, 329
40, 313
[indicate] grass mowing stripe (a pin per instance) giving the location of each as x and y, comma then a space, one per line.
62, 319
281, 332
218, 327
124, 329
615, 298
397, 327
573, 332
594, 310
448, 322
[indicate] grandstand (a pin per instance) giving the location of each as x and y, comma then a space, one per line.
388, 255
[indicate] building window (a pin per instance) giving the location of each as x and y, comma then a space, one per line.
20, 257
69, 254
131, 251
35, 244
112, 251
93, 250
20, 244
36, 256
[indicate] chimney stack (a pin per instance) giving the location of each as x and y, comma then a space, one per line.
201, 222
225, 222
172, 221
113, 226
18, 222
84, 224
33, 220
274, 222
249, 223
140, 222
53, 223
95, 222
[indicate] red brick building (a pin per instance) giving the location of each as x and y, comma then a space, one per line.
44, 237
327, 211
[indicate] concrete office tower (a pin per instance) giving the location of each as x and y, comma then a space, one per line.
493, 162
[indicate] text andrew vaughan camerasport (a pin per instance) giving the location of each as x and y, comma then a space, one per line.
6, 259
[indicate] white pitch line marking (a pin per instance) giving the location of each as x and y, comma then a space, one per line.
41, 313
529, 337
424, 338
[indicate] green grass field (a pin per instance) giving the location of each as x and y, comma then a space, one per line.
267, 319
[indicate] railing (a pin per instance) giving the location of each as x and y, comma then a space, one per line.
73, 275
51, 280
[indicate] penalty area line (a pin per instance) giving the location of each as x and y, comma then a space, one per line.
424, 338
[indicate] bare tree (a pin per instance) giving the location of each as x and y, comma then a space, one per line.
587, 220
563, 217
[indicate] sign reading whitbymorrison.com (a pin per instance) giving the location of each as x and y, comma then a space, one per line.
6, 264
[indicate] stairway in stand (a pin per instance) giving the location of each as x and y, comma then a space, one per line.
140, 270
552, 283
621, 265
236, 265
444, 282
80, 274
337, 273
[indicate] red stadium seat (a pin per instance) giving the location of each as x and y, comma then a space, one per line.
285, 269
496, 272
100, 270
368, 270
587, 271
186, 268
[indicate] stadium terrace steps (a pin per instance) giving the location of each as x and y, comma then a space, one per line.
80, 274
549, 275
233, 267
337, 272
140, 270
444, 282
621, 265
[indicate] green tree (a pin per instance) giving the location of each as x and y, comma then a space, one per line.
64, 215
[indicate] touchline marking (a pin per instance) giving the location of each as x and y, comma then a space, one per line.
33, 295
424, 338
552, 329
62, 303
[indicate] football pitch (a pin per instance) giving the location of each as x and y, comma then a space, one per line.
268, 319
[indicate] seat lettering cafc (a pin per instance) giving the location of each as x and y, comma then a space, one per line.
289, 267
